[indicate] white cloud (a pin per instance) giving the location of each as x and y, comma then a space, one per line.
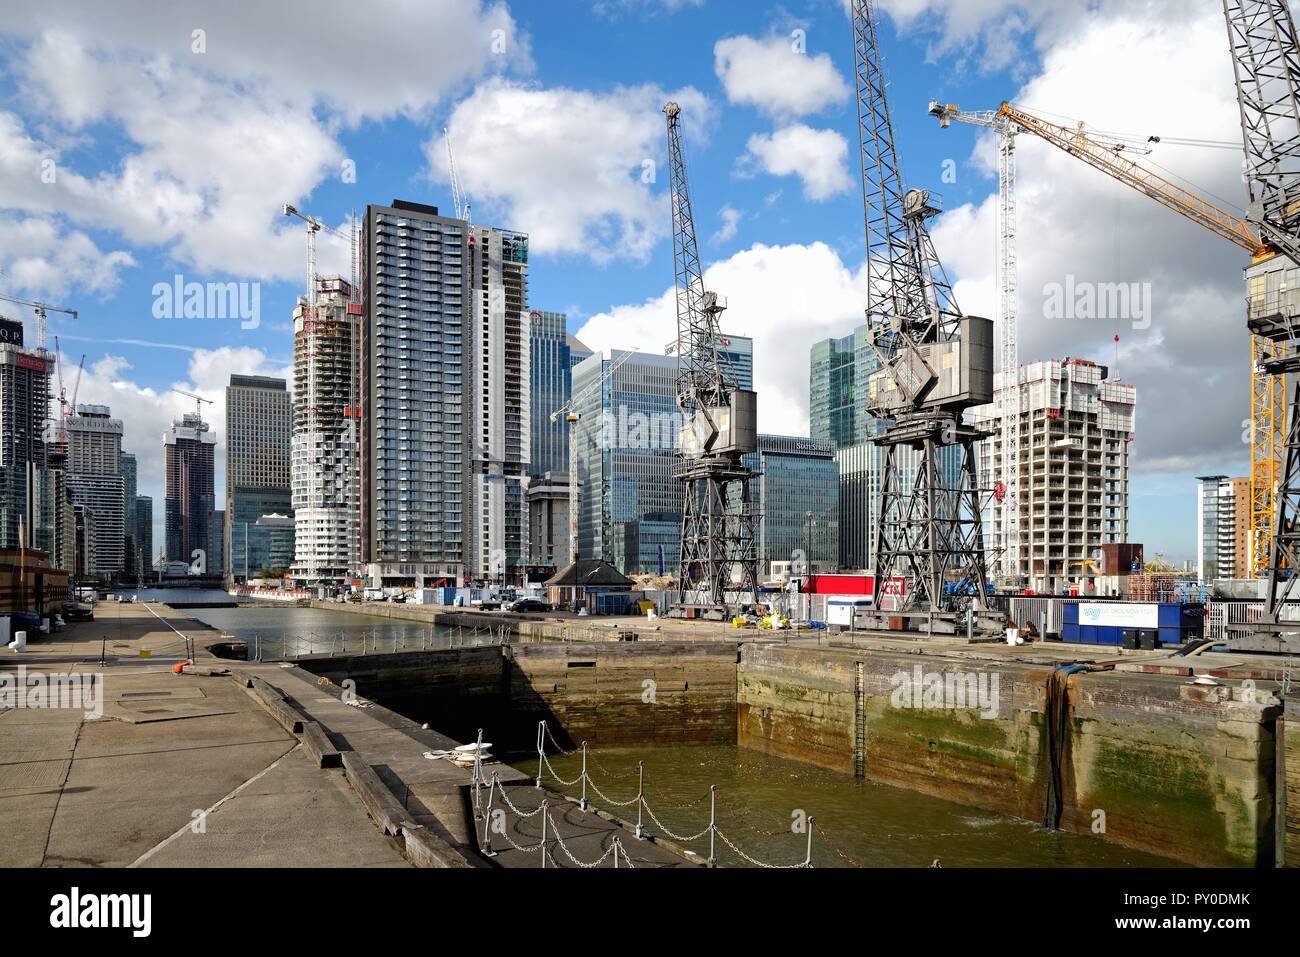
730, 224
576, 170
775, 77
44, 262
203, 119
818, 157
1128, 71
786, 297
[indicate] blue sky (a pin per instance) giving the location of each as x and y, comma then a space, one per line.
171, 160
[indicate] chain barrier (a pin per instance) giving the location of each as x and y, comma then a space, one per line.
642, 805
615, 849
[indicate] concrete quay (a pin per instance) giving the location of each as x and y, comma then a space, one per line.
233, 763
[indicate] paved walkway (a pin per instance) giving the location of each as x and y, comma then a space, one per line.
190, 770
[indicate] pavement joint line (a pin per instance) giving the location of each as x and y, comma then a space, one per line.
67, 772
186, 827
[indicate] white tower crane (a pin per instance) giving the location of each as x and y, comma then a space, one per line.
39, 308
1008, 347
462, 212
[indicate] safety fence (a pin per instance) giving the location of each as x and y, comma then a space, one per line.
711, 832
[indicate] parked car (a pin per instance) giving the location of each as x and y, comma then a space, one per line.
78, 611
527, 605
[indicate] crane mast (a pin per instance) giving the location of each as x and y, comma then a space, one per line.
718, 545
1266, 68
1007, 512
934, 363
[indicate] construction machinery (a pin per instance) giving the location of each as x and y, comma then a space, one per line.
719, 550
1266, 67
934, 364
1006, 510
39, 309
570, 414
198, 400
1112, 157
66, 406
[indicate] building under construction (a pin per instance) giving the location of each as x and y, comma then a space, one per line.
325, 456
1075, 432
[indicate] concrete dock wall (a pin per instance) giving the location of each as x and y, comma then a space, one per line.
616, 694
609, 693
1150, 762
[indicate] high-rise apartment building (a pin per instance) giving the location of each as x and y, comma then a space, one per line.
627, 441
414, 388
1076, 426
95, 484
259, 431
553, 353
500, 405
796, 493
1222, 527
326, 434
26, 501
190, 461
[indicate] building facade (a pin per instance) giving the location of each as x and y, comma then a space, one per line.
96, 485
189, 452
627, 443
839, 372
548, 519
500, 406
259, 435
553, 354
415, 401
144, 531
1222, 527
26, 500
796, 493
1076, 426
325, 471
129, 468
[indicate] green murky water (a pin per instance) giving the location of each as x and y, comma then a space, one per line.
762, 799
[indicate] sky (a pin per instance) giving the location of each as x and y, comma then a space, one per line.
141, 142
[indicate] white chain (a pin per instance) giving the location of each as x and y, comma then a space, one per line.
756, 862
567, 784
676, 837
510, 804
608, 800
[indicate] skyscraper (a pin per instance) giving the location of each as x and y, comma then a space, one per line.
259, 426
839, 372
553, 354
795, 491
128, 467
415, 358
627, 442
24, 410
326, 434
500, 405
95, 484
144, 533
189, 449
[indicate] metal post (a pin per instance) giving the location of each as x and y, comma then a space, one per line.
582, 804
616, 846
541, 749
807, 860
970, 624
713, 823
640, 795
487, 818
545, 815
478, 768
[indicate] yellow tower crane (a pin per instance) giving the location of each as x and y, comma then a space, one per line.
1267, 392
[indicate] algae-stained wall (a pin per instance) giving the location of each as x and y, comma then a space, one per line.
628, 693
1150, 762
1289, 783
